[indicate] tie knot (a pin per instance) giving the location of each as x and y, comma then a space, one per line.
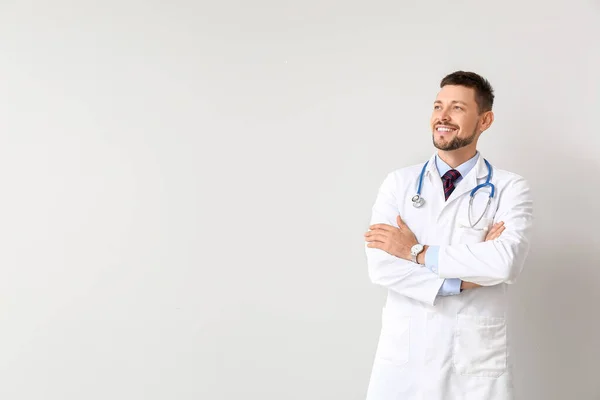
451, 176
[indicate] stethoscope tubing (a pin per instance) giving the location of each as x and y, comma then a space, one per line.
418, 201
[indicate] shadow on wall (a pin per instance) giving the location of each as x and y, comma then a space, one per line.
556, 303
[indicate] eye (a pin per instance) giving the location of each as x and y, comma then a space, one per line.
436, 107
458, 108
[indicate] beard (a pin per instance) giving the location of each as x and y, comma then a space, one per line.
455, 143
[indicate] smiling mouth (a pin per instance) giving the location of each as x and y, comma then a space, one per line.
445, 129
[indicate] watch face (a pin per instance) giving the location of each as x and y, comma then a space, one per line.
416, 249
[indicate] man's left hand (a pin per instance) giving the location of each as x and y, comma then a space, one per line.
392, 240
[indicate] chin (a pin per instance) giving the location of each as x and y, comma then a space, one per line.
442, 139
442, 143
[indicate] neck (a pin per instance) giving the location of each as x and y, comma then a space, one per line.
455, 158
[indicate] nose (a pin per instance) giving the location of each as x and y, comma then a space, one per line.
444, 116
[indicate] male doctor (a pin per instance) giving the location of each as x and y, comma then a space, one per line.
447, 265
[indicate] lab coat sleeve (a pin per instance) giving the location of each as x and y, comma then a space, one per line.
501, 260
401, 276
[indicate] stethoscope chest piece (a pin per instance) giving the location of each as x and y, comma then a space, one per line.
418, 201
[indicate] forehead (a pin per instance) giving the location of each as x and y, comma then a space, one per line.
451, 93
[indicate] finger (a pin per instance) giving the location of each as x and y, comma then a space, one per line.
495, 228
499, 230
384, 227
493, 231
376, 237
497, 234
399, 221
497, 225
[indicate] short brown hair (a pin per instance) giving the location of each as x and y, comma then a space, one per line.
484, 93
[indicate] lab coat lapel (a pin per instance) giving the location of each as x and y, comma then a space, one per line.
436, 197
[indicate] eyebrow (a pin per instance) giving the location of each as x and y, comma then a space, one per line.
452, 102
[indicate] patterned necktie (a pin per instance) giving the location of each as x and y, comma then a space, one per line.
449, 178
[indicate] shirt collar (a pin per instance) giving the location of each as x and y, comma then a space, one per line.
464, 168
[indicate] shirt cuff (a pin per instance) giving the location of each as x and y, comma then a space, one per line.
431, 258
450, 287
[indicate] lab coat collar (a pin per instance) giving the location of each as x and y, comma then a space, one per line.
432, 170
481, 169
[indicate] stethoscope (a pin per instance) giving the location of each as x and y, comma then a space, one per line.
418, 201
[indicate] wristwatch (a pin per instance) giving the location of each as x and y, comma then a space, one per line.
415, 251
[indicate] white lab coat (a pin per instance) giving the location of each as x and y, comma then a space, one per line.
456, 347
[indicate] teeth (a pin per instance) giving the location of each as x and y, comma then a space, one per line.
442, 129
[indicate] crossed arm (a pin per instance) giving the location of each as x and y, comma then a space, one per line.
494, 261
397, 242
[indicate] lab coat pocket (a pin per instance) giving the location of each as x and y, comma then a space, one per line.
480, 346
465, 234
394, 340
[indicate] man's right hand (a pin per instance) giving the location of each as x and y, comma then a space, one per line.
494, 233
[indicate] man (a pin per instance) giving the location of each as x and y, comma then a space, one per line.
447, 263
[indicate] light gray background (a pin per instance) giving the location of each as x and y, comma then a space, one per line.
185, 185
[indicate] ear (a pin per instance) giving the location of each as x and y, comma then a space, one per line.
487, 118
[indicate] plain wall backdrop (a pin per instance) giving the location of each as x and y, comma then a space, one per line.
185, 186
